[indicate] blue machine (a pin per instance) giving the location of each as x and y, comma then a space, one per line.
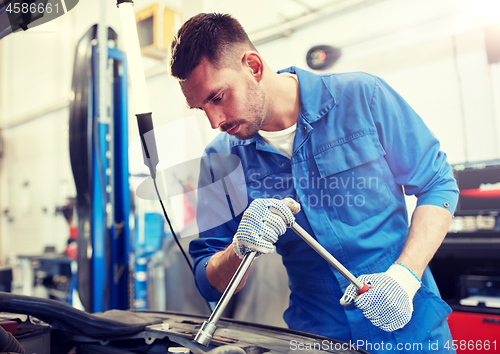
99, 159
149, 236
111, 154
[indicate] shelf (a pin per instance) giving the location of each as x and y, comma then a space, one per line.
470, 245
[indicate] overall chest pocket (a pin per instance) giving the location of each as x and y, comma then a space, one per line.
352, 174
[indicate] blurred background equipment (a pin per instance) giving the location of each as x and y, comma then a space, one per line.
16, 15
13, 19
466, 267
156, 27
98, 138
479, 184
322, 57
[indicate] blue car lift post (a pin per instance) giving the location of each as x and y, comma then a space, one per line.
111, 271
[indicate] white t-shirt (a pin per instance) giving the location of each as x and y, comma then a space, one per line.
281, 140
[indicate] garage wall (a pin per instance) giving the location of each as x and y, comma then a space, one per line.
433, 53
35, 174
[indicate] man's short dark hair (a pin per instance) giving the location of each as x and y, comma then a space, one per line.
212, 36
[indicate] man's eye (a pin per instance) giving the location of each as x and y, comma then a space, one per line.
218, 98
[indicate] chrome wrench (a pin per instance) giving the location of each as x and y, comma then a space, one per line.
205, 333
295, 208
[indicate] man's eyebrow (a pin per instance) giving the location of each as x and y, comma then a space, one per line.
210, 97
212, 94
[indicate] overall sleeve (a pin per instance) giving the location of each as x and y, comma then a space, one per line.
412, 150
201, 250
216, 226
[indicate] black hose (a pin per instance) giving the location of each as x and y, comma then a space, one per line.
171, 228
175, 236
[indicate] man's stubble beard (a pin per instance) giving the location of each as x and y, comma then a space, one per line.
256, 109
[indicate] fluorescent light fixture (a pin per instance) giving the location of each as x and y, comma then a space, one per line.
484, 11
134, 58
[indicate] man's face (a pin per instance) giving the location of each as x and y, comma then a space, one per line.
232, 99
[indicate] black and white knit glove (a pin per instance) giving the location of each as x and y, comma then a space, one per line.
388, 304
261, 225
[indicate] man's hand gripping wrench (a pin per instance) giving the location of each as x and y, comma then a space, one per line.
205, 333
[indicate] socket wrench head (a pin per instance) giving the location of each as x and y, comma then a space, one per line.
205, 333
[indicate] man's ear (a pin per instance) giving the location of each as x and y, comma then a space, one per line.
253, 62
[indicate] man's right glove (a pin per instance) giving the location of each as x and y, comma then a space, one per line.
260, 227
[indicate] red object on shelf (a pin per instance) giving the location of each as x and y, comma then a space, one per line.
475, 332
73, 232
9, 326
72, 250
480, 193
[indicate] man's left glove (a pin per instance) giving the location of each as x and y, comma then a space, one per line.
388, 304
260, 226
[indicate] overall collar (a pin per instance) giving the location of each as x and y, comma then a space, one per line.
315, 97
315, 101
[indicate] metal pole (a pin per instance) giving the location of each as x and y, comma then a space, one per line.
326, 255
315, 245
205, 333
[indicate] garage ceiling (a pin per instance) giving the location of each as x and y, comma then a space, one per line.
261, 14
265, 20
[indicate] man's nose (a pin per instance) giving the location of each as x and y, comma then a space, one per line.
215, 117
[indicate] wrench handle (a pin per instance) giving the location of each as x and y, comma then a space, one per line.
315, 245
361, 288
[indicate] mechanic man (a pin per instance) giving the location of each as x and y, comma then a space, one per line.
346, 147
